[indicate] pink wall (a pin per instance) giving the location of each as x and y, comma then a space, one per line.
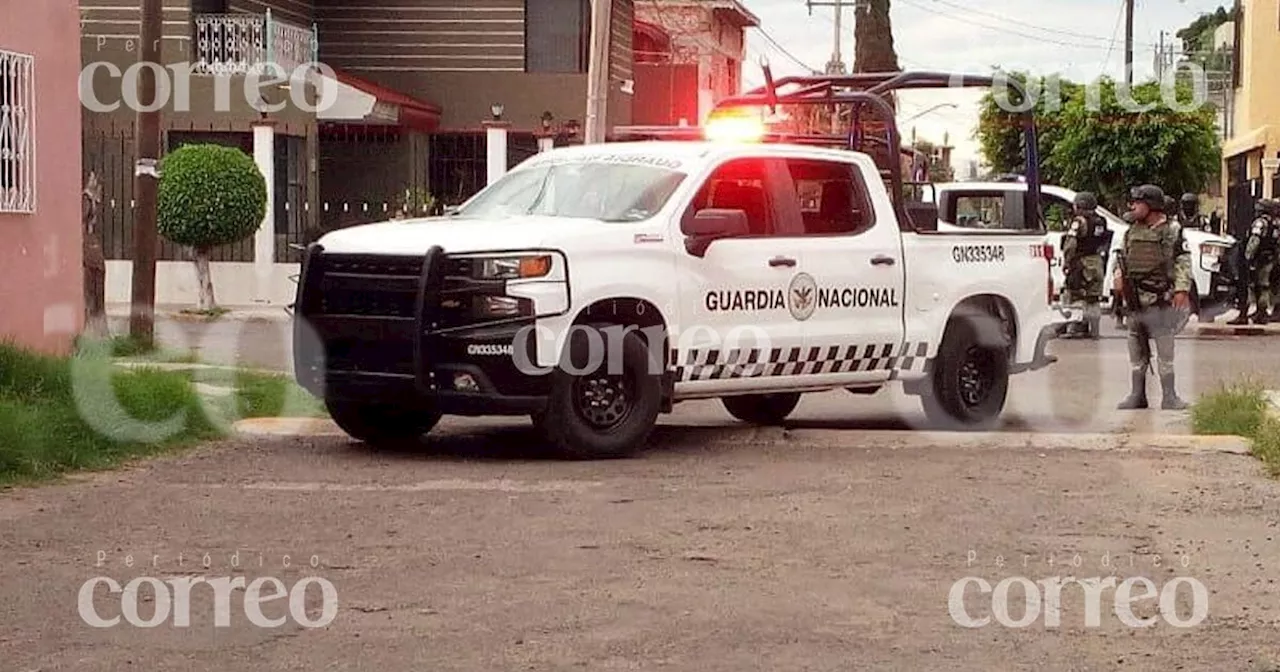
41, 295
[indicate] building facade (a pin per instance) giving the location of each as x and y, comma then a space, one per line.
414, 84
41, 276
1252, 152
689, 56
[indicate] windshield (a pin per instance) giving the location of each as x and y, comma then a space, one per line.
612, 192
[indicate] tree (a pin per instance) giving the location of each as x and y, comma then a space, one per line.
1197, 37
1000, 132
1110, 149
873, 49
1088, 141
209, 196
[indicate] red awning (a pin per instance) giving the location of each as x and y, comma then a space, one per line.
414, 113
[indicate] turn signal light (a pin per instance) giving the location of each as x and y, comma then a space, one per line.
535, 267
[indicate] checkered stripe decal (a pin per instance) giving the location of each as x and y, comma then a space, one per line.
713, 364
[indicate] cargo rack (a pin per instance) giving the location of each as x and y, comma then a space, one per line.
866, 95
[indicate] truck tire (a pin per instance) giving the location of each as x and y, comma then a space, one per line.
762, 409
379, 424
970, 375
602, 414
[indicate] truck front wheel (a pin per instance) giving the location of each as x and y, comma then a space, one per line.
602, 407
762, 409
379, 424
970, 375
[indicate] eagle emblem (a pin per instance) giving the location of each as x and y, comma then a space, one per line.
803, 296
803, 293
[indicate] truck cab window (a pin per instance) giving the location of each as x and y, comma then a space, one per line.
739, 185
831, 199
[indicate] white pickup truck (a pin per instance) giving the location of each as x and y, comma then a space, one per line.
594, 287
996, 207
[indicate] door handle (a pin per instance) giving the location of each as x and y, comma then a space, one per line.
883, 261
782, 261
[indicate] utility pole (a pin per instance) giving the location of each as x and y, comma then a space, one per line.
598, 71
146, 177
1128, 43
835, 66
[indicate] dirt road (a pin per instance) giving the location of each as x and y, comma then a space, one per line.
725, 549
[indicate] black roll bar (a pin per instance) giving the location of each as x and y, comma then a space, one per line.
869, 90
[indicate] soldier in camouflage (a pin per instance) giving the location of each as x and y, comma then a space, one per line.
1189, 216
1082, 248
1157, 279
1260, 256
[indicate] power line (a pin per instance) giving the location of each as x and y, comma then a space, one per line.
1115, 37
1008, 19
786, 53
1038, 38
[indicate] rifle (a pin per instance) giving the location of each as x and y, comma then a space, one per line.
1128, 292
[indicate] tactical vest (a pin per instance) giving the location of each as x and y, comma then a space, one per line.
1146, 260
1269, 240
1093, 236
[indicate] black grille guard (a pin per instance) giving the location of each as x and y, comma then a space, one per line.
426, 307
310, 360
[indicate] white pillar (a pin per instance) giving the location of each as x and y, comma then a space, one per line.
1269, 168
496, 149
546, 143
264, 241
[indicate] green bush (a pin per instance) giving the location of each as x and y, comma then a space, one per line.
210, 195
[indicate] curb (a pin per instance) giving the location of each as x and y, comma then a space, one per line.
277, 427
1235, 445
1237, 330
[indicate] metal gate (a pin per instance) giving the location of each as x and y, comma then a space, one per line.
1241, 193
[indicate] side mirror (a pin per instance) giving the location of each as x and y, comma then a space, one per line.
708, 226
450, 210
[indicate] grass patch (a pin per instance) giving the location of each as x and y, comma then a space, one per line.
1241, 409
62, 414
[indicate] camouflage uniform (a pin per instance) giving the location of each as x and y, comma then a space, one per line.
1260, 254
1082, 248
1158, 266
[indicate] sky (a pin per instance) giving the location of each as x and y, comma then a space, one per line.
1081, 39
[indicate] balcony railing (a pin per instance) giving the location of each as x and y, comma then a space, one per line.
228, 44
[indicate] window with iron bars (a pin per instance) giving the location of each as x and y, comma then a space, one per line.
17, 119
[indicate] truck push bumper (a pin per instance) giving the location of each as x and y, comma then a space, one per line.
397, 330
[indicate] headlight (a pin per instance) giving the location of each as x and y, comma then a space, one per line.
513, 268
1211, 257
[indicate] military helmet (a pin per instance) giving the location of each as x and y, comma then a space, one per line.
1170, 204
1190, 198
1150, 194
1267, 206
1086, 201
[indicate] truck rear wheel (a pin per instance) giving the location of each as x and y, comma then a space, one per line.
379, 424
602, 413
762, 409
970, 375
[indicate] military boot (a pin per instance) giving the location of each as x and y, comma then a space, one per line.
1137, 398
1261, 317
1170, 400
